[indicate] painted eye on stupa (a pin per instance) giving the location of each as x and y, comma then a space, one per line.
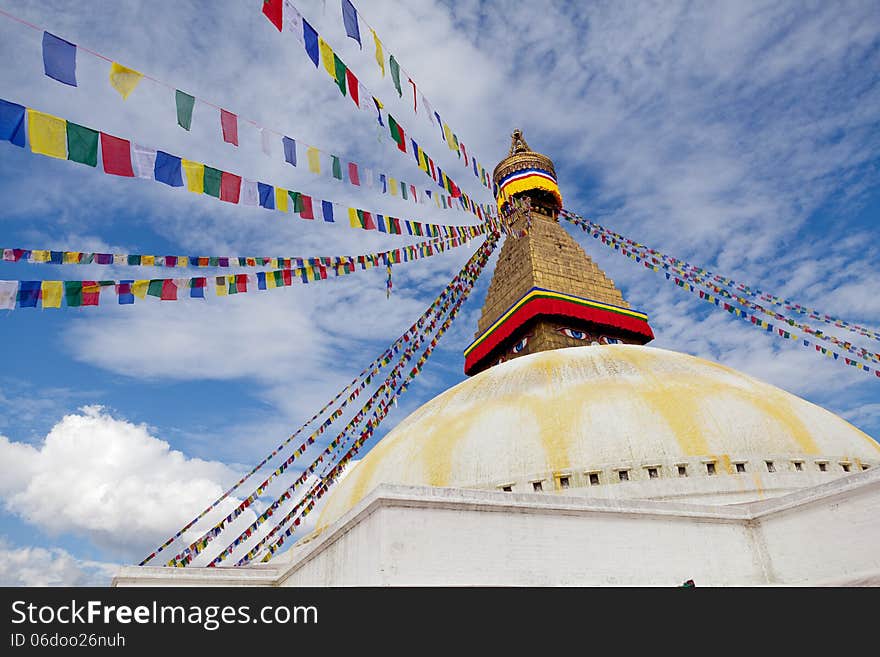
573, 333
606, 340
519, 346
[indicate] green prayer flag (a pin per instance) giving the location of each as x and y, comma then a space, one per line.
403, 190
296, 197
155, 288
337, 167
82, 144
73, 293
212, 181
185, 104
134, 260
340, 72
213, 261
395, 74
279, 278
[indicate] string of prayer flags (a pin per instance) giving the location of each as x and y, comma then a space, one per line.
59, 59
647, 258
124, 79
55, 137
355, 386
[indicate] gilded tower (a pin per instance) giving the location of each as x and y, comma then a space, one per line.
546, 292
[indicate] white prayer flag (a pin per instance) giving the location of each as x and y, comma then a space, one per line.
8, 292
250, 195
144, 160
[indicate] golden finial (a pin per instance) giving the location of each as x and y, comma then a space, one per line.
518, 143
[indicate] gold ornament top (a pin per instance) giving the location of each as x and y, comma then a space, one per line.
521, 157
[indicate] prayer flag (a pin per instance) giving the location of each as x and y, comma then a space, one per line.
314, 158
169, 290
168, 169
267, 196
28, 293
337, 167
195, 176
212, 181
197, 287
143, 160
289, 150
273, 10
327, 57
59, 59
124, 79
395, 74
230, 187
294, 20
280, 199
185, 104
340, 73
349, 18
229, 126
310, 37
306, 212
139, 289
155, 288
52, 292
368, 222
327, 210
380, 55
353, 176
82, 144
381, 223
397, 133
116, 154
353, 87
73, 293
48, 134
12, 123
8, 291
354, 218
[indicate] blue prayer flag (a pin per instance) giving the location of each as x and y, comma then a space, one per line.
327, 209
267, 196
289, 150
12, 122
167, 169
59, 59
197, 287
349, 18
380, 223
384, 181
310, 37
261, 280
28, 293
56, 257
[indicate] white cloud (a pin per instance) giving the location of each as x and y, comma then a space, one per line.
38, 566
107, 479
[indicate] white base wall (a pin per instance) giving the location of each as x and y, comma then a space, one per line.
401, 535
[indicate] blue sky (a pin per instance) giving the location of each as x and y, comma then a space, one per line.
742, 137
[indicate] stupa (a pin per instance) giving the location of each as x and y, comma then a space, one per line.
574, 454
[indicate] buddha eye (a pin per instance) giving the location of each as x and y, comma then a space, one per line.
519, 346
606, 340
573, 333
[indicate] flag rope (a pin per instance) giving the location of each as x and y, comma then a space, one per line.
365, 377
370, 174
649, 258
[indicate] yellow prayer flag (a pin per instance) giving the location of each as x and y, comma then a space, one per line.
183, 261
40, 256
71, 257
281, 199
270, 280
392, 183
139, 289
353, 219
314, 158
48, 134
124, 79
52, 291
195, 176
148, 260
380, 55
327, 57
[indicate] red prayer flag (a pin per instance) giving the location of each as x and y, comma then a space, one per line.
169, 290
353, 174
116, 154
369, 224
230, 187
229, 124
241, 282
285, 273
352, 86
306, 212
91, 292
272, 9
